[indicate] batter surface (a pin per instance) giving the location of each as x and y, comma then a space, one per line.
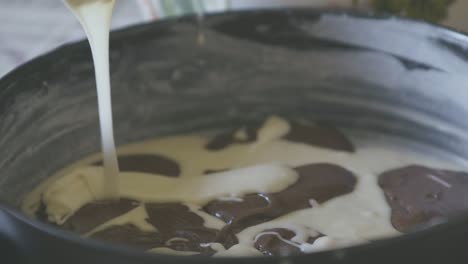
276, 188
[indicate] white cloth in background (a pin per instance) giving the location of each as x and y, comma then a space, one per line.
30, 28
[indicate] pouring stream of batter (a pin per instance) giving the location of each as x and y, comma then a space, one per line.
95, 17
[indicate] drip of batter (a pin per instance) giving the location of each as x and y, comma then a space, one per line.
200, 17
95, 17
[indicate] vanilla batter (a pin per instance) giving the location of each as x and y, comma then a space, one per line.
260, 166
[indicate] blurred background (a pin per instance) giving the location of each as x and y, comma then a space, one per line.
31, 27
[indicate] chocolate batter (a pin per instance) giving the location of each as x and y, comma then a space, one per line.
320, 182
277, 242
421, 196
